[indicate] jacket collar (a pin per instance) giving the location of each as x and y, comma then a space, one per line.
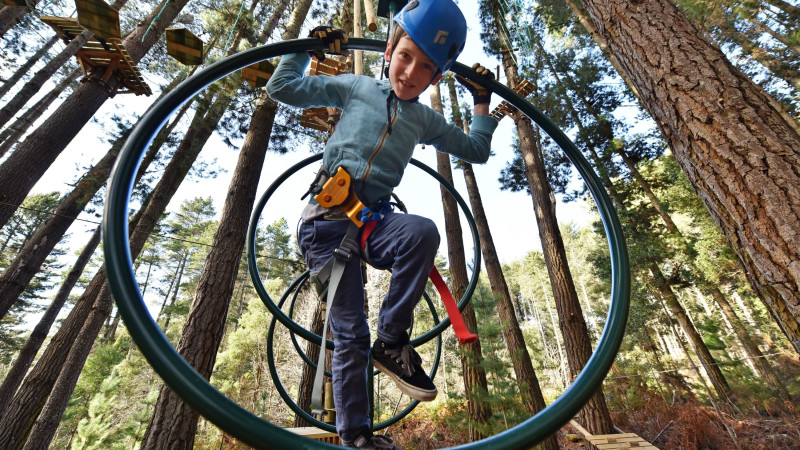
386, 87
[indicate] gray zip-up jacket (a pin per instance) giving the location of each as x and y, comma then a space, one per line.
373, 153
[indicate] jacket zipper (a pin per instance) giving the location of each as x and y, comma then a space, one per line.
380, 143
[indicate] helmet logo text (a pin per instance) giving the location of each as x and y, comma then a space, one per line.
441, 37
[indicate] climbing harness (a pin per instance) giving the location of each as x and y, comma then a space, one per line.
337, 192
327, 282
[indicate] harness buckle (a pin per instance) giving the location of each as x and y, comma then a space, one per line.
337, 191
319, 181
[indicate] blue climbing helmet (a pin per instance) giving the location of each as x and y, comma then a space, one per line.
438, 27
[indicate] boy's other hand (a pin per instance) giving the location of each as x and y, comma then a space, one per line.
332, 38
479, 93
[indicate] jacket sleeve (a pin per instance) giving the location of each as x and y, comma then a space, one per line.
447, 137
289, 85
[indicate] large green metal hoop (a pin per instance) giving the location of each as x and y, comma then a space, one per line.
234, 419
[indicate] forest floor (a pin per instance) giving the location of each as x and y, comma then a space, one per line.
688, 425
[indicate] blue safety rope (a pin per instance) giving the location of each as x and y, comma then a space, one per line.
155, 19
233, 28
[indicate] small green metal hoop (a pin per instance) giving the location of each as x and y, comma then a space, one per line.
244, 425
255, 276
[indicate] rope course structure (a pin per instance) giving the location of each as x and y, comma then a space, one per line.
235, 420
516, 29
103, 56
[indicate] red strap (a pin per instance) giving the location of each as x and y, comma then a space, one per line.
459, 327
368, 227
450, 305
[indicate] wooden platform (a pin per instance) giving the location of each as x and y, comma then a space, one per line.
317, 434
322, 119
184, 46
614, 441
100, 59
507, 109
258, 74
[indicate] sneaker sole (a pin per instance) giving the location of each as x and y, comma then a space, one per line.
411, 391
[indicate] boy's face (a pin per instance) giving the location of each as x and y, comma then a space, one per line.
410, 71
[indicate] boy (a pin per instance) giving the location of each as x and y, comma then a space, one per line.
381, 123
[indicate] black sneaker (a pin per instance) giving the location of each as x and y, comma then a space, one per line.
376, 442
404, 366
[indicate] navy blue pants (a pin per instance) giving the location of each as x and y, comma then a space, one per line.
403, 242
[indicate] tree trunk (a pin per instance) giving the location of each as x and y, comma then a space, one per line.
738, 148
46, 424
19, 417
475, 383
14, 132
26, 67
750, 47
30, 258
11, 15
672, 379
177, 283
307, 377
677, 312
532, 396
269, 28
595, 414
23, 168
40, 331
174, 423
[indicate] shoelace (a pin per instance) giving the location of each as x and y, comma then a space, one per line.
405, 356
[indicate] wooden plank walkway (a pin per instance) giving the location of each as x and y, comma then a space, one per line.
317, 434
614, 441
101, 59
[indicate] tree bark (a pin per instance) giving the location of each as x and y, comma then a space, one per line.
42, 76
10, 16
307, 377
173, 423
751, 348
737, 147
46, 424
671, 378
23, 168
595, 414
24, 409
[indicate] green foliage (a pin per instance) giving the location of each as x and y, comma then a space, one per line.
34, 211
93, 431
